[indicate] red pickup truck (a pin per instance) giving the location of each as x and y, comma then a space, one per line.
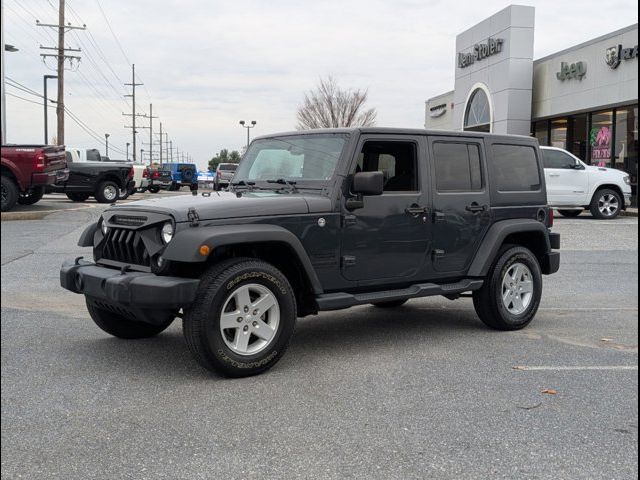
27, 169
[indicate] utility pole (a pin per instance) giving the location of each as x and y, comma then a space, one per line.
60, 56
151, 117
46, 109
133, 114
171, 149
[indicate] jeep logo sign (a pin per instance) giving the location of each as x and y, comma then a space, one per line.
480, 52
568, 71
614, 55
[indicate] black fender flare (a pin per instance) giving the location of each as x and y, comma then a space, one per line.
495, 237
86, 238
186, 244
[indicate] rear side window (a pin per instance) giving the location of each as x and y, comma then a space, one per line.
458, 167
516, 168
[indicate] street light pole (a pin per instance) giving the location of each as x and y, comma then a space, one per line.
141, 152
46, 108
248, 127
106, 144
128, 151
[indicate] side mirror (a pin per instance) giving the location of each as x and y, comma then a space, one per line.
578, 166
368, 183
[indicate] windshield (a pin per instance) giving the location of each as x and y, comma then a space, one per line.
296, 158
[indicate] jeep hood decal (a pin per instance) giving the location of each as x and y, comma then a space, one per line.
221, 205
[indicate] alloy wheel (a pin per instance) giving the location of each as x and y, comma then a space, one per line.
608, 205
517, 289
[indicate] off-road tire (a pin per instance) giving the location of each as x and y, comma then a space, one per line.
570, 213
154, 189
32, 196
10, 194
488, 301
390, 304
122, 327
595, 207
201, 322
77, 197
100, 193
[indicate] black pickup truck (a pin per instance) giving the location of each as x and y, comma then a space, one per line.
106, 181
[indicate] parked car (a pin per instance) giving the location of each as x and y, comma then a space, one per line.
159, 179
27, 170
310, 225
224, 174
106, 181
573, 186
140, 183
183, 174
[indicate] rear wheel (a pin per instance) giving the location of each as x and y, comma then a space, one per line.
123, 327
154, 189
107, 192
243, 318
570, 213
10, 194
77, 197
391, 304
31, 196
606, 204
510, 296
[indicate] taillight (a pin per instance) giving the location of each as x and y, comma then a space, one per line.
155, 175
40, 163
145, 174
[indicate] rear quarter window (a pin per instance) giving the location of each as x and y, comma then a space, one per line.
515, 168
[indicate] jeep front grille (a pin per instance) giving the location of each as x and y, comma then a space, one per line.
125, 246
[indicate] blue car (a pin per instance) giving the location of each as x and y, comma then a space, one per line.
182, 174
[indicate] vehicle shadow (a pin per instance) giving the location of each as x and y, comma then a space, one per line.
334, 334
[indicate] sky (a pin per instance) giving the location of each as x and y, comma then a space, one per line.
207, 64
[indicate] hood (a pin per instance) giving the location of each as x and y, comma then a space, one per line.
221, 205
606, 170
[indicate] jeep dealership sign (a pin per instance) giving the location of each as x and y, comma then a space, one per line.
614, 55
480, 51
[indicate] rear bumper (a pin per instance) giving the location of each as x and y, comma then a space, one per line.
551, 261
130, 289
49, 178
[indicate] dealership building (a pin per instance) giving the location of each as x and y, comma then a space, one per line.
583, 98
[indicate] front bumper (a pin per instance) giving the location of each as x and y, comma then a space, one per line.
128, 289
627, 200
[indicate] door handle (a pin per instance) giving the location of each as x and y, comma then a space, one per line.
475, 208
554, 174
415, 210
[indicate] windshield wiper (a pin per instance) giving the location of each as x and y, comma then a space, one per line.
289, 183
242, 183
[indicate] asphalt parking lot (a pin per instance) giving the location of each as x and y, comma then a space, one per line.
425, 391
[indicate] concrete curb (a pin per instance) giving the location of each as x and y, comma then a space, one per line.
631, 212
36, 215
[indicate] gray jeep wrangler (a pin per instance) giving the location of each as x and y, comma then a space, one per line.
325, 220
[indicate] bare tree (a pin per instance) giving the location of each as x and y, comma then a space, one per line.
329, 106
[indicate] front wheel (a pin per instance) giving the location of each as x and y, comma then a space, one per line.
243, 318
154, 189
606, 204
122, 327
77, 197
510, 296
31, 196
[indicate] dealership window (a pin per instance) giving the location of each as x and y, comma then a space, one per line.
600, 138
541, 132
558, 137
578, 139
477, 116
626, 143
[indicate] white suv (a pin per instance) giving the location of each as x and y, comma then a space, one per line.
573, 186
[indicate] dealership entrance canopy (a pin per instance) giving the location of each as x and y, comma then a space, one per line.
584, 98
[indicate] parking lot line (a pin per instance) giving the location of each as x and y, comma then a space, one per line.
577, 368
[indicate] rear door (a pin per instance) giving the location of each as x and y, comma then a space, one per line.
461, 201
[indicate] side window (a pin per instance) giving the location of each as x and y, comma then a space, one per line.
516, 168
458, 167
398, 161
557, 159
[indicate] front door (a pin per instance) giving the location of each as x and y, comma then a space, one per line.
461, 202
566, 185
388, 239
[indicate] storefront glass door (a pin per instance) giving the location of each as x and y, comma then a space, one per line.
601, 138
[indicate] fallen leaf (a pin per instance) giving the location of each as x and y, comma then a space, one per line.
518, 367
606, 339
549, 391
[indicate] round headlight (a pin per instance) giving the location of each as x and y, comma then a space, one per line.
167, 232
103, 227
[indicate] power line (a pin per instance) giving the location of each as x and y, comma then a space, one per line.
113, 33
27, 100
